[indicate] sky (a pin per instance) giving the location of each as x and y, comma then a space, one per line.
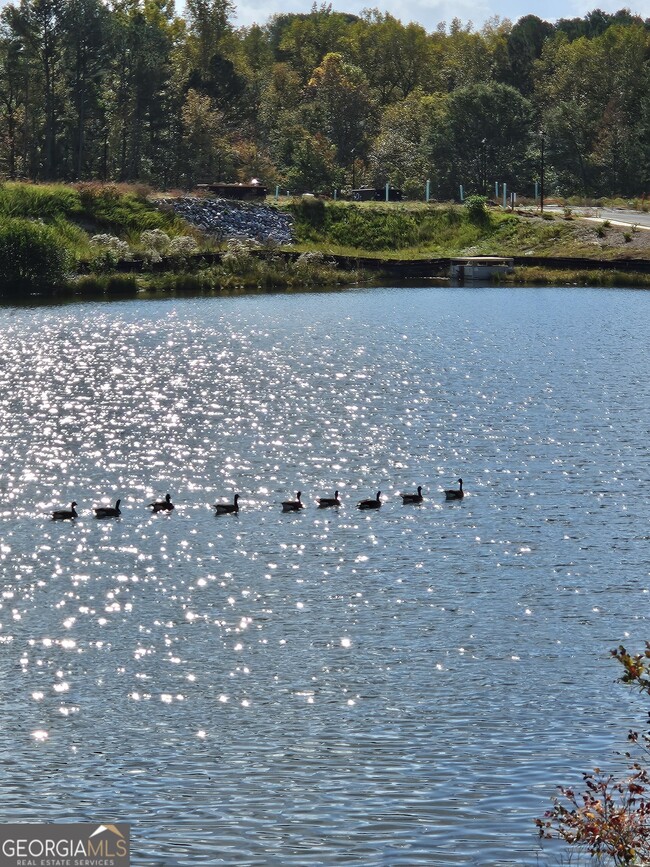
429, 13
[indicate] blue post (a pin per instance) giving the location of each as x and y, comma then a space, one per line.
496, 189
334, 195
505, 195
428, 190
387, 189
277, 193
462, 194
536, 190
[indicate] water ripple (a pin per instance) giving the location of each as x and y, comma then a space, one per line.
405, 686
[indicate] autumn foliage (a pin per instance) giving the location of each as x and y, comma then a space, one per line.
610, 818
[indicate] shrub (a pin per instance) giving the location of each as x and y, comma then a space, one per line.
155, 239
109, 250
238, 258
611, 818
309, 266
311, 211
122, 283
31, 255
182, 246
476, 210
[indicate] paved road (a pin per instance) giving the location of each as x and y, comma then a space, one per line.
614, 215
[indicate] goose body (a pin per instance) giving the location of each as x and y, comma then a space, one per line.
413, 498
293, 505
108, 511
228, 508
65, 514
371, 504
324, 502
454, 494
165, 505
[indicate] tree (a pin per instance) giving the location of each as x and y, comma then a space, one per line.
525, 43
395, 59
208, 22
39, 24
596, 108
142, 124
467, 58
206, 150
486, 130
14, 68
401, 152
86, 26
307, 39
313, 165
340, 106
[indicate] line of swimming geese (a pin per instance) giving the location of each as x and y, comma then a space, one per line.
296, 505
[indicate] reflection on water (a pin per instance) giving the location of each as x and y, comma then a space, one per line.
403, 686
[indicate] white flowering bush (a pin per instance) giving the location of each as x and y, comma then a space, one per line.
309, 261
238, 257
182, 245
313, 267
155, 240
108, 251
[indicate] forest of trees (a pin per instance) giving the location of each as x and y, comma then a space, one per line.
128, 90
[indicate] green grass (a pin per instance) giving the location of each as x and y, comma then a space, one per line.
415, 231
554, 277
404, 230
77, 212
388, 230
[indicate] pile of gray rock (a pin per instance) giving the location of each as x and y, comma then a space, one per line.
227, 220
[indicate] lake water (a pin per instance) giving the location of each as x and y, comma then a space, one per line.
401, 687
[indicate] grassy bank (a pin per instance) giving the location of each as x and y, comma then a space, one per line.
74, 237
77, 236
239, 271
416, 230
545, 277
404, 230
79, 211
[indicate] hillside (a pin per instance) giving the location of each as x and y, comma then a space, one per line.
52, 235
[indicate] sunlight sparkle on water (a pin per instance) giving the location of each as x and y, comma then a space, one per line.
360, 391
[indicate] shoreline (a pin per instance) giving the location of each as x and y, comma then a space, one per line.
73, 241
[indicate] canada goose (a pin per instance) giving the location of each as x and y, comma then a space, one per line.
165, 505
413, 498
370, 504
108, 511
293, 505
65, 514
454, 494
323, 502
228, 508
